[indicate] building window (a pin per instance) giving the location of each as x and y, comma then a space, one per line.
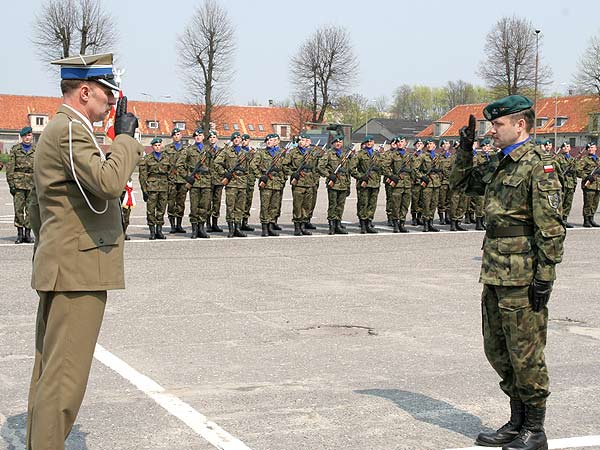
483, 127
152, 124
284, 131
236, 127
572, 142
560, 121
260, 127
250, 127
39, 121
226, 126
180, 125
541, 122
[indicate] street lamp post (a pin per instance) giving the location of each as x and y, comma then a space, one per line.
535, 88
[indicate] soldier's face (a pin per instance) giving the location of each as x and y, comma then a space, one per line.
177, 136
431, 146
199, 138
592, 150
566, 148
419, 145
245, 142
236, 140
304, 142
337, 145
446, 146
271, 142
402, 143
212, 140
156, 147
27, 139
505, 132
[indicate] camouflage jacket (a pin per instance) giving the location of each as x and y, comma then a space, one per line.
398, 166
233, 165
173, 155
363, 164
415, 162
586, 166
304, 167
251, 177
523, 190
430, 168
262, 162
215, 151
193, 160
327, 165
446, 163
19, 168
155, 173
567, 168
484, 163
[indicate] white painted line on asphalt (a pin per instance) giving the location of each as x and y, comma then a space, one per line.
574, 442
210, 431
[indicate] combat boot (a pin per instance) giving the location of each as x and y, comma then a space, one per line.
567, 224
414, 220
507, 432
152, 232
331, 227
402, 227
338, 229
453, 225
201, 233
467, 218
396, 225
478, 225
459, 227
420, 220
363, 226
172, 222
20, 236
231, 229
178, 227
237, 232
303, 229
447, 220
592, 223
431, 227
390, 221
274, 226
586, 222
532, 435
27, 236
194, 230
159, 233
245, 226
214, 225
265, 229
297, 229
441, 215
342, 226
309, 226
471, 217
271, 230
370, 228
425, 226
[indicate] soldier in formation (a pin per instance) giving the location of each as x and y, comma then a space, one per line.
250, 183
397, 175
216, 184
155, 171
367, 170
589, 172
446, 162
177, 190
429, 172
567, 166
416, 205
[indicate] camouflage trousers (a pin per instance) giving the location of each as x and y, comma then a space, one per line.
416, 201
444, 198
301, 203
235, 201
337, 203
125, 214
430, 197
458, 204
199, 204
313, 202
366, 202
514, 338
155, 207
279, 205
479, 203
249, 197
270, 205
176, 199
568, 194
215, 200
399, 203
590, 202
388, 200
20, 202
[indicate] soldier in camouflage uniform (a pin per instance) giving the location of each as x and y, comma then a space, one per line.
177, 190
416, 203
318, 153
481, 161
155, 171
194, 166
366, 169
335, 167
19, 175
589, 171
523, 243
251, 181
217, 185
446, 162
232, 165
397, 175
458, 201
267, 166
429, 171
568, 171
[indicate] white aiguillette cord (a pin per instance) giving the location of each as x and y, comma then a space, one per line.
102, 157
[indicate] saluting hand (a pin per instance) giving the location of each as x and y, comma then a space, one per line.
467, 135
125, 122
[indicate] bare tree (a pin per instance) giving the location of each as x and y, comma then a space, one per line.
68, 27
323, 68
510, 58
587, 78
206, 50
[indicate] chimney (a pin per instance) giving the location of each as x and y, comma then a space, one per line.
270, 102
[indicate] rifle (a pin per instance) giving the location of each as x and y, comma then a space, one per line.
199, 169
304, 167
591, 177
273, 167
370, 169
399, 174
334, 176
236, 170
381, 148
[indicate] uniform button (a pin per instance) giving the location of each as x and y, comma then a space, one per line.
101, 241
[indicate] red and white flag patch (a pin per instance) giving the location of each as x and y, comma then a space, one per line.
548, 168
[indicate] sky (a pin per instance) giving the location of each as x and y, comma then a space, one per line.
396, 42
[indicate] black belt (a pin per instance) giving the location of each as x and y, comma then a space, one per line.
511, 231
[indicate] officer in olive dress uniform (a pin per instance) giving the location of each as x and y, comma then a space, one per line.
523, 243
367, 170
335, 167
194, 166
177, 190
568, 170
217, 185
155, 171
79, 249
251, 182
416, 202
397, 174
19, 175
589, 171
446, 162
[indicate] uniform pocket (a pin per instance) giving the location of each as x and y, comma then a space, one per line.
100, 260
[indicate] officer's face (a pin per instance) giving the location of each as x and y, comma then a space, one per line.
27, 139
100, 100
199, 138
505, 132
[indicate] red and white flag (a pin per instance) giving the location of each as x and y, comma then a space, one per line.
110, 123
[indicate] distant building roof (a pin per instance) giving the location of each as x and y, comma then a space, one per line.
390, 128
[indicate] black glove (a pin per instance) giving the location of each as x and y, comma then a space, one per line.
264, 179
341, 170
125, 122
375, 168
228, 175
145, 196
13, 191
467, 135
539, 294
425, 179
296, 175
332, 177
591, 178
394, 179
191, 180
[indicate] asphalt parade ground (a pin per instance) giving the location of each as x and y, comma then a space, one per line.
359, 342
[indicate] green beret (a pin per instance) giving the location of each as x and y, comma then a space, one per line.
418, 140
25, 131
271, 136
394, 140
538, 142
400, 138
590, 144
235, 134
304, 135
547, 142
339, 137
198, 132
444, 141
367, 138
212, 133
428, 141
245, 136
156, 140
485, 141
175, 130
507, 105
564, 144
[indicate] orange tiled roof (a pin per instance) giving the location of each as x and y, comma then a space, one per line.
575, 108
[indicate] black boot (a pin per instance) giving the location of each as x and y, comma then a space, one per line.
459, 227
363, 226
331, 227
471, 217
414, 220
425, 226
297, 229
567, 224
271, 229
370, 228
420, 220
442, 220
337, 227
214, 226
342, 226
509, 431
594, 224
265, 229
303, 229
194, 230
27, 236
478, 224
309, 226
201, 233
586, 222
231, 229
396, 225
274, 226
237, 232
172, 222
453, 225
532, 435
159, 233
152, 232
467, 218
390, 221
431, 227
245, 226
447, 220
178, 227
20, 236
402, 227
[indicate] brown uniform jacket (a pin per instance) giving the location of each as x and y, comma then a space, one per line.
79, 250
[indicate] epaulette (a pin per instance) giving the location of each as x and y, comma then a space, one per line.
544, 155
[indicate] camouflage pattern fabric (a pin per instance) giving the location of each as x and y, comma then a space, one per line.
200, 204
458, 204
155, 207
20, 203
154, 181
271, 193
19, 175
